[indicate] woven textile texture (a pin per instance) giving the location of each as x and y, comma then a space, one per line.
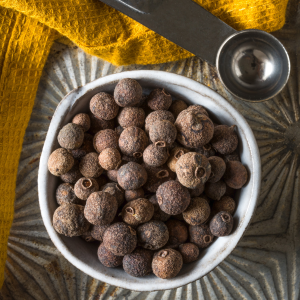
27, 31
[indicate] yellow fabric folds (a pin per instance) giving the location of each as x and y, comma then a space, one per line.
27, 30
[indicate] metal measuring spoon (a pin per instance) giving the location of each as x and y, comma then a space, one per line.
252, 64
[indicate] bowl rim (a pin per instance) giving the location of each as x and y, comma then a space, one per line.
173, 79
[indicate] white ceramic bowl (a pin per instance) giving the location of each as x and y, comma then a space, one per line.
84, 255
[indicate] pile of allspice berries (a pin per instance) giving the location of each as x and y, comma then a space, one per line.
151, 179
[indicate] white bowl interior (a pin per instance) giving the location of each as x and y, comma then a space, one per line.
84, 255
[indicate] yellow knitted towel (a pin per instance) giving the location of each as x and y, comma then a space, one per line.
27, 30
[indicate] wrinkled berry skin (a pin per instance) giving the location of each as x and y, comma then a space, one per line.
189, 252
89, 166
60, 162
131, 116
225, 140
162, 133
65, 194
177, 107
158, 115
97, 232
175, 154
159, 99
85, 187
107, 258
221, 224
226, 204
106, 138
218, 168
178, 232
83, 120
71, 136
115, 190
155, 156
236, 175
201, 235
215, 190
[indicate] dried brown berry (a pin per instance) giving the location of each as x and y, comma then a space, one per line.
189, 252
226, 204
177, 107
155, 155
172, 197
105, 139
197, 109
197, 212
215, 190
132, 176
120, 239
65, 194
158, 115
107, 258
152, 235
158, 213
133, 141
221, 224
103, 106
236, 174
134, 194
193, 169
178, 232
167, 263
159, 99
71, 136
115, 190
89, 166
218, 168
206, 150
100, 208
87, 236
60, 162
234, 156
110, 159
97, 232
72, 175
157, 176
83, 120
100, 124
197, 191
112, 175
84, 187
138, 263
137, 212
225, 139
175, 154
194, 130
69, 220
131, 116
128, 92
201, 235
162, 133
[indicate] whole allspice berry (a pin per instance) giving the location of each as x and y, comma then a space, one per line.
115, 190
107, 138
72, 175
225, 139
71, 136
134, 194
110, 159
193, 169
236, 174
83, 120
100, 208
138, 263
155, 155
103, 106
194, 129
175, 154
89, 166
128, 92
201, 235
98, 124
206, 150
107, 258
167, 263
69, 220
152, 235
60, 162
215, 190
97, 232
132, 176
159, 99
177, 107
120, 239
218, 168
84, 187
131, 116
172, 197
162, 133
158, 115
133, 141
65, 194
86, 147
221, 224
197, 109
178, 232
137, 212
158, 213
189, 252
197, 212
226, 204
